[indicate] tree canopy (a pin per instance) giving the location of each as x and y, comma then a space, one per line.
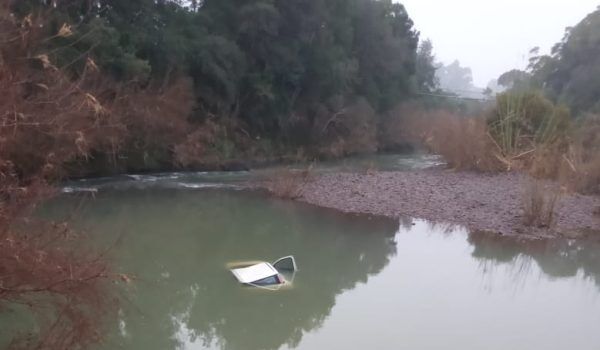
455, 78
427, 81
570, 73
272, 65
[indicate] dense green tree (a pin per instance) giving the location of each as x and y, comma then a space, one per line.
570, 74
283, 69
426, 79
386, 48
515, 79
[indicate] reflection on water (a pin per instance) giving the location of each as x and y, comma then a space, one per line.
177, 243
363, 282
556, 258
444, 290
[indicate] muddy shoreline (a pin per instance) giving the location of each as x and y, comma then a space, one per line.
483, 203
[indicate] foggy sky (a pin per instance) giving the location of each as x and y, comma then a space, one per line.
494, 36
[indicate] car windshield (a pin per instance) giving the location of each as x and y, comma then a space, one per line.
271, 280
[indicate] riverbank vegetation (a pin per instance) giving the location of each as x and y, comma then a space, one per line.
256, 80
546, 123
49, 121
106, 87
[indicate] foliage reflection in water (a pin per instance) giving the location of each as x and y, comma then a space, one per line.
177, 244
364, 282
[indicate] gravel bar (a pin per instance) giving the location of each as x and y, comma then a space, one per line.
480, 202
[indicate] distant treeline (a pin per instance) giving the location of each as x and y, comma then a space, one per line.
570, 73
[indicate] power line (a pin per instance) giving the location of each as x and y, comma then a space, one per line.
455, 96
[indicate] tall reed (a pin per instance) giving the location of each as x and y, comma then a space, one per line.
525, 125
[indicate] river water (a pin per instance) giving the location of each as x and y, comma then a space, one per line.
363, 282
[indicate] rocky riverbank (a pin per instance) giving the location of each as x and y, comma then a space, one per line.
491, 203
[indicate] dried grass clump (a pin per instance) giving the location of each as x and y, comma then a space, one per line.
524, 131
539, 205
580, 169
288, 183
573, 162
464, 142
544, 162
587, 177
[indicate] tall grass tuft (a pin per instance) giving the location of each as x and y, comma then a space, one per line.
523, 121
580, 164
464, 142
504, 126
539, 205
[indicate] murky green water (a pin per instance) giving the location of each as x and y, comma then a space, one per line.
176, 243
364, 283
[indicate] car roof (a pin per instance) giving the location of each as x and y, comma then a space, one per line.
254, 273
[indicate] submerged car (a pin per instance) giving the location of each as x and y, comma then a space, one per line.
264, 274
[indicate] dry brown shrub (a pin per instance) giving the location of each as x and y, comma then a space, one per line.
345, 128
578, 173
287, 183
463, 141
68, 290
580, 165
544, 162
575, 163
46, 267
73, 120
211, 144
539, 205
47, 120
193, 150
155, 120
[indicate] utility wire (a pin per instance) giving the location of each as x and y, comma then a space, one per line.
455, 96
